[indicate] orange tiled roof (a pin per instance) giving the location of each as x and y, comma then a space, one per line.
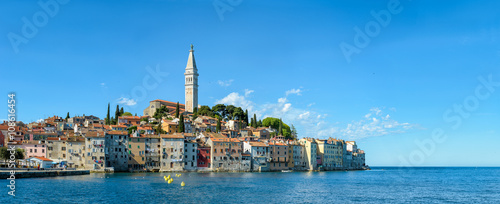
117, 133
43, 158
172, 136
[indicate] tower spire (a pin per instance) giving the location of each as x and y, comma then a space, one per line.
191, 63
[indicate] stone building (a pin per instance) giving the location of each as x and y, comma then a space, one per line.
278, 152
75, 148
190, 155
310, 147
116, 143
259, 152
94, 145
56, 149
172, 152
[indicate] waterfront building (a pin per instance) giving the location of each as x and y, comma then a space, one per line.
94, 146
56, 149
259, 153
203, 155
75, 148
42, 161
116, 150
278, 152
190, 155
326, 151
226, 154
172, 152
310, 147
34, 149
137, 153
299, 155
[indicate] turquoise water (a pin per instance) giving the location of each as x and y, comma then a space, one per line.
380, 185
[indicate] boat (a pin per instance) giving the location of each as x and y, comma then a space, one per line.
286, 171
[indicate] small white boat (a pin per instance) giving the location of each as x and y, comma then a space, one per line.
286, 171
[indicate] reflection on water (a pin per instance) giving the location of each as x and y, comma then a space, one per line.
421, 185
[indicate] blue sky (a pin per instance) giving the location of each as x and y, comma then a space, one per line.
276, 58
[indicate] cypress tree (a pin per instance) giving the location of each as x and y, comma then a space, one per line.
246, 116
255, 120
108, 119
177, 110
121, 111
180, 127
117, 114
67, 116
218, 126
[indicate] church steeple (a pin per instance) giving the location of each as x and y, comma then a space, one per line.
191, 83
191, 64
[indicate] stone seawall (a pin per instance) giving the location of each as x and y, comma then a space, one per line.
43, 173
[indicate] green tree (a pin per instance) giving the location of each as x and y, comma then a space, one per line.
259, 124
255, 120
132, 129
195, 113
135, 114
220, 110
5, 153
180, 127
108, 119
238, 114
275, 123
177, 110
113, 121
280, 131
205, 110
67, 117
145, 119
218, 126
246, 117
121, 111
127, 114
117, 114
293, 132
230, 109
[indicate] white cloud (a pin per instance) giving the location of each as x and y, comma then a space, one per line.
311, 104
313, 124
127, 101
236, 99
40, 120
293, 91
248, 92
225, 83
305, 115
286, 107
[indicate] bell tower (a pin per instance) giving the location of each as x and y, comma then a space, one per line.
191, 83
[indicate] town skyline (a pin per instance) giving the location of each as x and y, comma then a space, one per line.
383, 97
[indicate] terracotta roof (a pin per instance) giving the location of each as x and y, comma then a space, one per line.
117, 133
57, 138
258, 144
42, 158
224, 139
130, 117
245, 155
121, 126
172, 136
